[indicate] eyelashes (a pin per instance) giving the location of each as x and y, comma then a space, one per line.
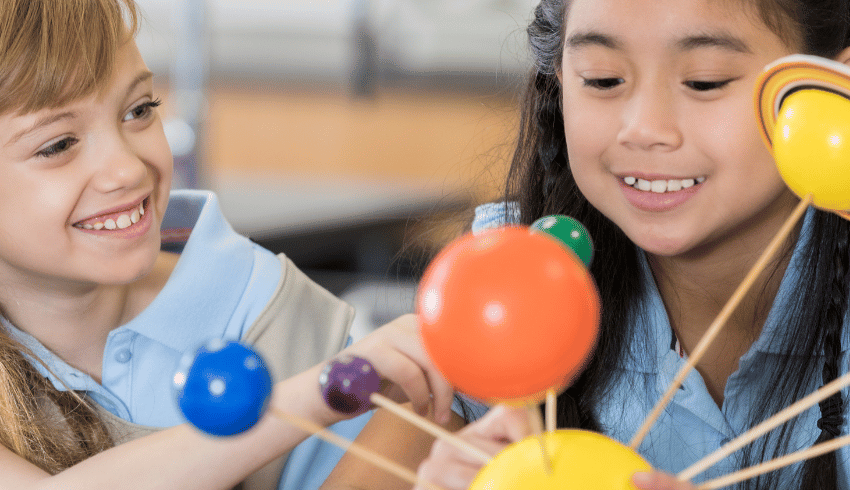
58, 147
696, 85
142, 111
603, 83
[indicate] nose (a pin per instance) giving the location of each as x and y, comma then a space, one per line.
119, 167
649, 120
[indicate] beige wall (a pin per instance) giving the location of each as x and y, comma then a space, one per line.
453, 141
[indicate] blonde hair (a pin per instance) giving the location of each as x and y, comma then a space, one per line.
53, 52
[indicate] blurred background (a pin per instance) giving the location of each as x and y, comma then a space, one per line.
353, 135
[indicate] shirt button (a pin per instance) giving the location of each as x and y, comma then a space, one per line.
123, 355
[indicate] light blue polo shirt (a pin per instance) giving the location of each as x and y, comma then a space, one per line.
693, 426
220, 285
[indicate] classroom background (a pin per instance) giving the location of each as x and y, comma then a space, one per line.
353, 135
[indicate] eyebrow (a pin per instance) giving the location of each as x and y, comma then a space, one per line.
42, 122
52, 118
719, 40
592, 38
714, 40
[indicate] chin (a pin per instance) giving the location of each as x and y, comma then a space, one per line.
662, 246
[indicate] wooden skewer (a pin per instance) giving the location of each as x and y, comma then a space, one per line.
762, 428
430, 427
551, 408
354, 448
536, 422
716, 326
775, 464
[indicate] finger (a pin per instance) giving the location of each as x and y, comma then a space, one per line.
405, 333
503, 423
407, 375
451, 475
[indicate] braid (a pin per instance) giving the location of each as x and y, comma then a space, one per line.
821, 472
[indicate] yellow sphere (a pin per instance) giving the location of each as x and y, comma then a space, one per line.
578, 459
811, 146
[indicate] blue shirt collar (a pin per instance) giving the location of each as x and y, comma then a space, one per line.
652, 332
212, 246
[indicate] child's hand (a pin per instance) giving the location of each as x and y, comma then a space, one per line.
396, 353
657, 480
452, 468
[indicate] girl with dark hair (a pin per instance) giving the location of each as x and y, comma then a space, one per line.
638, 121
108, 278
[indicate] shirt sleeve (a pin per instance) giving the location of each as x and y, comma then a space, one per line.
494, 215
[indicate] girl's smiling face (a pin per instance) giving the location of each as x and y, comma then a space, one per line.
660, 124
84, 186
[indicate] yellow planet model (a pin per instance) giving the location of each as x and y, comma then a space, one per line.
578, 459
811, 146
803, 108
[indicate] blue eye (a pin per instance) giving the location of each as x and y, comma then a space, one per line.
143, 110
603, 83
56, 148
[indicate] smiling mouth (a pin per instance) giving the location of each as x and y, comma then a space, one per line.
115, 221
662, 186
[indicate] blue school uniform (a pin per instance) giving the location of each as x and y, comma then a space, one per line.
693, 426
220, 285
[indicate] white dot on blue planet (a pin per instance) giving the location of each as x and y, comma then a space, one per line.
217, 386
252, 362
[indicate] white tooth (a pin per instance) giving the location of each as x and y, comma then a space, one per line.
88, 226
659, 186
109, 224
700, 180
674, 185
142, 208
687, 183
123, 222
135, 216
644, 185
629, 180
98, 226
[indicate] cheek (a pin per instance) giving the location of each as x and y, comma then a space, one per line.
589, 135
40, 198
590, 125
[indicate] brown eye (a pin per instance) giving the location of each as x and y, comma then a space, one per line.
58, 147
603, 83
704, 86
142, 111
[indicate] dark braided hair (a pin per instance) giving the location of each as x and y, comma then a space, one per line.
541, 182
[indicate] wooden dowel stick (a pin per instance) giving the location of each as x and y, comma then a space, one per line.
551, 411
718, 323
780, 417
775, 464
430, 427
353, 448
535, 420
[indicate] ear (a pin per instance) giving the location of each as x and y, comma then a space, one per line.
844, 56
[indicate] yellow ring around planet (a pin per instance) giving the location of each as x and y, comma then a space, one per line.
803, 109
577, 459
